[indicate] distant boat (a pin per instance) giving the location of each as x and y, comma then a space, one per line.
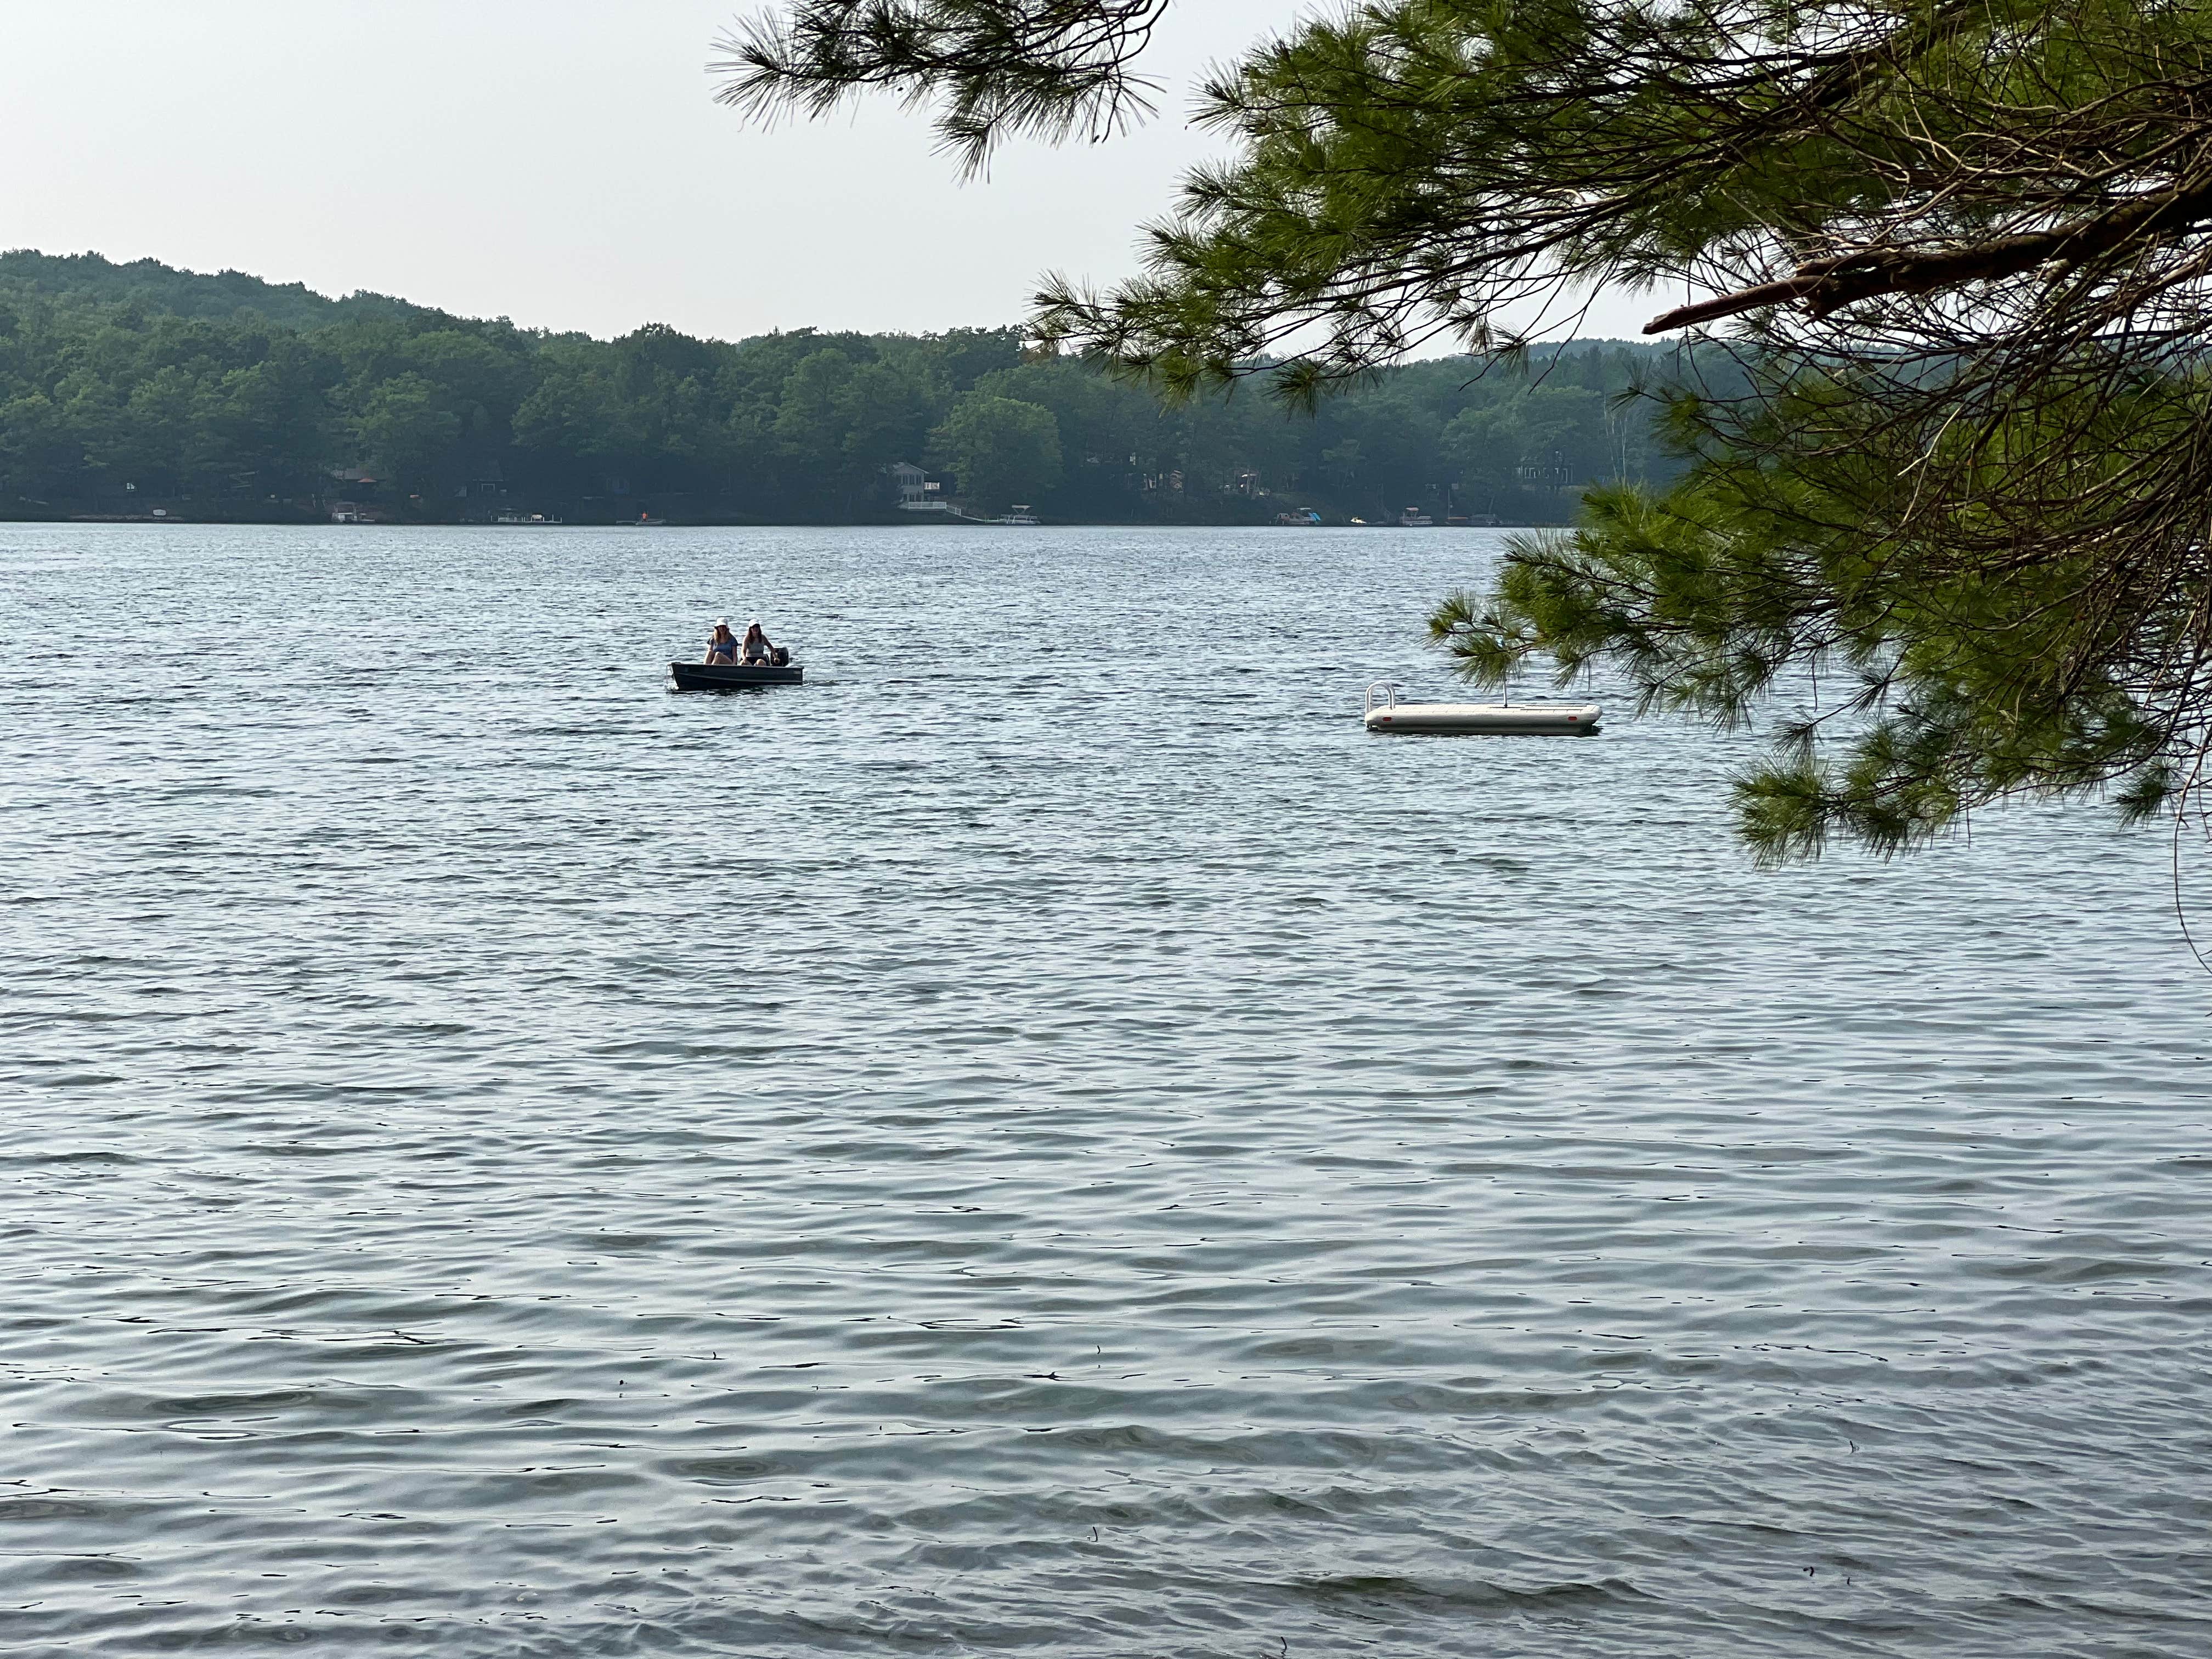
1019, 513
646, 521
1414, 519
524, 517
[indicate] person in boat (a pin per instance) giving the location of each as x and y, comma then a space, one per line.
722, 648
758, 652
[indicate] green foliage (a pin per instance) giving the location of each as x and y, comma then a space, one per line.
122, 386
999, 448
1043, 65
1933, 661
406, 423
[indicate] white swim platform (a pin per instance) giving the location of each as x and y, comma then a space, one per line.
1386, 714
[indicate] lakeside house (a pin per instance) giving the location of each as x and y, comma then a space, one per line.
917, 491
486, 483
361, 500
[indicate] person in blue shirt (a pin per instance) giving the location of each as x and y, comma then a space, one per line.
722, 649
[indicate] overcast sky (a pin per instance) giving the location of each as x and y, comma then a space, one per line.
557, 161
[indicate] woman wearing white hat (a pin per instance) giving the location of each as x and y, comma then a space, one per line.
723, 646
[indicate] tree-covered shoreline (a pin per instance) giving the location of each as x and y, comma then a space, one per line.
126, 388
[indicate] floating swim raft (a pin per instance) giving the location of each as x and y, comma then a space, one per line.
1385, 713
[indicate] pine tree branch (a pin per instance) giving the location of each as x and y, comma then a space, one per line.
1827, 284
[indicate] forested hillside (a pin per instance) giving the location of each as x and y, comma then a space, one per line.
127, 388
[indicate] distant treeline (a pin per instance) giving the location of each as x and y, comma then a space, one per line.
126, 387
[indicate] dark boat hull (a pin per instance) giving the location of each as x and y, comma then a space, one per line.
714, 677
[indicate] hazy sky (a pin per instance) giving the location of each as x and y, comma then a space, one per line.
557, 161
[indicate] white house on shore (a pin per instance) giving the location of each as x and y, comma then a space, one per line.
917, 491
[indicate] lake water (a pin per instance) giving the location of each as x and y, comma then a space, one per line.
1046, 1140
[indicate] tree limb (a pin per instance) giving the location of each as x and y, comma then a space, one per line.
1841, 279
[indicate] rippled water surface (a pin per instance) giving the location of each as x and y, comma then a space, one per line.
1047, 1139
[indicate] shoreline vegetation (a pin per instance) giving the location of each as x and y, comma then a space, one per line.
140, 392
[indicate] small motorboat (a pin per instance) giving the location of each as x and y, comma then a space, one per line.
724, 677
1386, 714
